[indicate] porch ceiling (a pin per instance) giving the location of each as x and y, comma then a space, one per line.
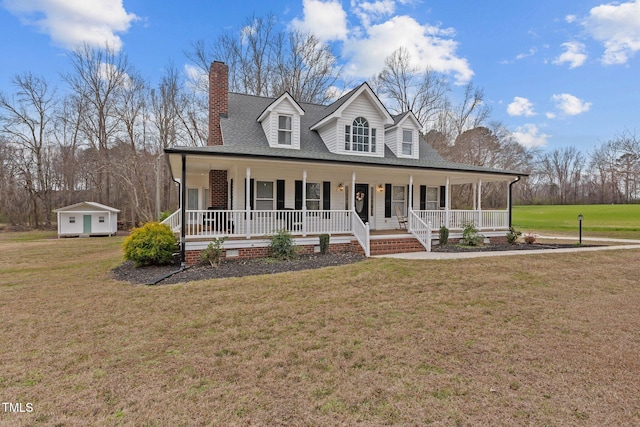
198, 164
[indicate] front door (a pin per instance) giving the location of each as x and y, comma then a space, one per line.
362, 201
86, 224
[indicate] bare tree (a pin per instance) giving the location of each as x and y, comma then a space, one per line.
25, 121
408, 88
265, 62
98, 74
563, 170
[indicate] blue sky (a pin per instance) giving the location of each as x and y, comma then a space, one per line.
556, 73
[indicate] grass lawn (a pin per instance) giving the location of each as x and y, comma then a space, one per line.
543, 339
621, 221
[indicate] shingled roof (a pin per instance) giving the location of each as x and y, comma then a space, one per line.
244, 136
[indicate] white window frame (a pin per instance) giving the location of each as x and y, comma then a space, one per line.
407, 144
359, 136
313, 203
431, 202
261, 201
395, 201
284, 132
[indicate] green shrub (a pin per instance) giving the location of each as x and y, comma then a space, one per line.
282, 245
212, 254
443, 235
324, 243
513, 235
470, 234
151, 244
164, 215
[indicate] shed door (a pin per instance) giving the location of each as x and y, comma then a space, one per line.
86, 224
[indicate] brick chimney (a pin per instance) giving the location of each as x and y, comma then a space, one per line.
218, 100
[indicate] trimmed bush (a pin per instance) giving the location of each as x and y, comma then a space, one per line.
324, 243
151, 244
212, 254
470, 234
443, 235
513, 235
282, 245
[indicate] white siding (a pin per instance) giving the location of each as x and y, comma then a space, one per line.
270, 125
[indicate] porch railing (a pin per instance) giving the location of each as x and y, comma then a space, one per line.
361, 232
421, 230
455, 219
240, 223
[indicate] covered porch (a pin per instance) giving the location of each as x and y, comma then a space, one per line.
244, 198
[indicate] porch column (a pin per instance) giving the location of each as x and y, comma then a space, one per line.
353, 191
304, 203
474, 190
410, 204
447, 203
480, 204
247, 205
411, 191
183, 212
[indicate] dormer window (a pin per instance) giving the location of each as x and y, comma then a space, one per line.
407, 142
284, 130
359, 136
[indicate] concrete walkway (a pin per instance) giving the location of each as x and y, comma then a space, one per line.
624, 244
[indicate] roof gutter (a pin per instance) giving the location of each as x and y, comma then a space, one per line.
511, 198
352, 161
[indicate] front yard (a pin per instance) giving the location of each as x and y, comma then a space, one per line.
546, 339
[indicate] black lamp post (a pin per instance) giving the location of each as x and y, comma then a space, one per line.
580, 218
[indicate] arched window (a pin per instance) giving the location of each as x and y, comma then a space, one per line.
359, 136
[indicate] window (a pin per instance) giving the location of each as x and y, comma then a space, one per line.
101, 219
398, 198
72, 220
313, 196
264, 195
407, 142
284, 130
432, 198
192, 199
347, 137
359, 136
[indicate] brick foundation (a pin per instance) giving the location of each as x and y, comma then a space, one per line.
193, 257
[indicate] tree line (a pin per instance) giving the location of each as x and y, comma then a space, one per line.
101, 135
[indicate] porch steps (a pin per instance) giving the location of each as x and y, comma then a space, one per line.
384, 245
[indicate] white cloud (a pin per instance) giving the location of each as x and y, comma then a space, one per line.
520, 107
427, 45
574, 54
617, 26
570, 19
373, 11
325, 19
570, 105
377, 34
529, 136
71, 23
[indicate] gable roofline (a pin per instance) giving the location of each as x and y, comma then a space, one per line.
92, 204
335, 110
271, 107
402, 117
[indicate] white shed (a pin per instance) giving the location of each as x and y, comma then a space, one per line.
87, 219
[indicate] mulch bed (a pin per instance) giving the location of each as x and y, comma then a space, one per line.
230, 268
250, 267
